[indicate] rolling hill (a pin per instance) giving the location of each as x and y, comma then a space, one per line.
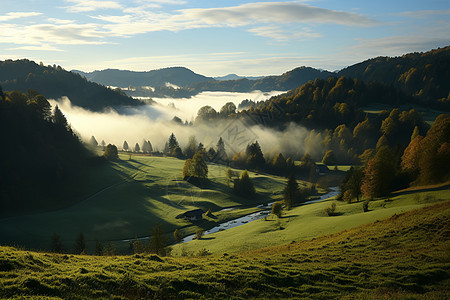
178, 76
55, 82
425, 76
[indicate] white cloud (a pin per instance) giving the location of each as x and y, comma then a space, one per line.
424, 13
277, 33
41, 47
91, 5
140, 20
41, 34
17, 15
277, 12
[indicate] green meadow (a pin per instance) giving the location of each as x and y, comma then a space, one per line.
310, 221
125, 199
403, 257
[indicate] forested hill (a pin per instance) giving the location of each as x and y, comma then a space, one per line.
425, 76
179, 76
40, 158
326, 103
55, 82
287, 81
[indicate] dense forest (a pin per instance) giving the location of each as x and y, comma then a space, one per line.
41, 159
425, 76
55, 82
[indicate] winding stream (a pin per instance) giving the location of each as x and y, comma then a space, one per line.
334, 191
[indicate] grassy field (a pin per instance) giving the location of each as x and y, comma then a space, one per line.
127, 198
309, 221
403, 257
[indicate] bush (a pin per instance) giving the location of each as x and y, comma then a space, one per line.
203, 252
199, 233
330, 211
277, 209
365, 206
111, 152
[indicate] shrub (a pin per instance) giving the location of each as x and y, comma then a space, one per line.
203, 252
178, 235
199, 233
365, 206
330, 211
277, 209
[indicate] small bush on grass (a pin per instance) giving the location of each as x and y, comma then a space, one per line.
199, 233
365, 206
330, 211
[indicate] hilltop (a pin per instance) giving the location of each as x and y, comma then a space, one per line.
55, 82
178, 76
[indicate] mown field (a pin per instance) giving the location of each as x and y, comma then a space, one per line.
403, 257
125, 199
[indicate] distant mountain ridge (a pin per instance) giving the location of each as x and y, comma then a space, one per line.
236, 77
55, 82
179, 76
287, 81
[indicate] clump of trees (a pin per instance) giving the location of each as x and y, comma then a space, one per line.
196, 167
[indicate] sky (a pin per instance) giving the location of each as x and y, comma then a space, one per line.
215, 38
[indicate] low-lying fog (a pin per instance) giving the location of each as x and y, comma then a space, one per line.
153, 122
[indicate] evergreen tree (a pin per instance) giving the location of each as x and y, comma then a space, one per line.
157, 240
191, 147
125, 146
176, 152
171, 144
137, 149
255, 158
243, 186
291, 192
221, 154
279, 162
80, 244
103, 144
93, 141
59, 118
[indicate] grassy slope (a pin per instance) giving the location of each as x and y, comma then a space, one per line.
309, 221
405, 256
139, 193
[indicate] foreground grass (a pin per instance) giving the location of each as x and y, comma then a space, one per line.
404, 256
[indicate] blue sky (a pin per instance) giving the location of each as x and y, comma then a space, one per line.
218, 37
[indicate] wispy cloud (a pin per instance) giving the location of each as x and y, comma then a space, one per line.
425, 13
46, 34
41, 47
277, 33
91, 5
17, 15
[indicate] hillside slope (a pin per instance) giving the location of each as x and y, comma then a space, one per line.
405, 256
425, 76
179, 76
55, 82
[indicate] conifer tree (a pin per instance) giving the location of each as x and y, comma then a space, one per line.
291, 192
125, 146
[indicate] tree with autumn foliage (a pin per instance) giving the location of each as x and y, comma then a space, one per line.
379, 174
